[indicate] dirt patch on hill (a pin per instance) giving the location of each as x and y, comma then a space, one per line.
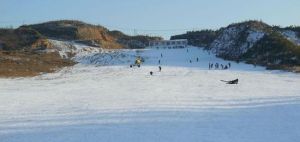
26, 64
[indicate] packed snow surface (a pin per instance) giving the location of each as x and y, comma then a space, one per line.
103, 94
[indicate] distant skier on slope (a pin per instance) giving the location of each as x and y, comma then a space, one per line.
210, 65
151, 73
217, 66
226, 67
159, 67
138, 61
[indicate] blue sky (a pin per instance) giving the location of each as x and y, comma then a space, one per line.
153, 17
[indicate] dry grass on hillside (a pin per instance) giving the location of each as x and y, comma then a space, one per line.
23, 64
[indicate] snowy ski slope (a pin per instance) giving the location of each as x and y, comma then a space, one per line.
103, 89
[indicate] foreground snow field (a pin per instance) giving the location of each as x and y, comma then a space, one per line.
103, 99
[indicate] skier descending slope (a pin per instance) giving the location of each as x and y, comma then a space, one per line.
151, 73
138, 61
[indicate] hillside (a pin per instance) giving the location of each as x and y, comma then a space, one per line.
198, 38
36, 35
32, 49
94, 35
138, 41
19, 39
253, 42
23, 64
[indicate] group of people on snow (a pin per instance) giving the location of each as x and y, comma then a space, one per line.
139, 60
219, 66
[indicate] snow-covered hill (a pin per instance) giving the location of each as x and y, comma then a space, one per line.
235, 41
102, 90
254, 42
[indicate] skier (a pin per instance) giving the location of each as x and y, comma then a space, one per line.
190, 61
161, 55
158, 61
151, 73
217, 65
159, 67
130, 66
211, 65
229, 65
222, 66
138, 61
197, 59
226, 67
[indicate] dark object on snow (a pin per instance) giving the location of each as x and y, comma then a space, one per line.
211, 65
159, 68
161, 55
130, 66
190, 61
158, 61
236, 81
217, 66
197, 59
226, 67
151, 73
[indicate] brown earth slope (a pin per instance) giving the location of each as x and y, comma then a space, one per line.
22, 64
